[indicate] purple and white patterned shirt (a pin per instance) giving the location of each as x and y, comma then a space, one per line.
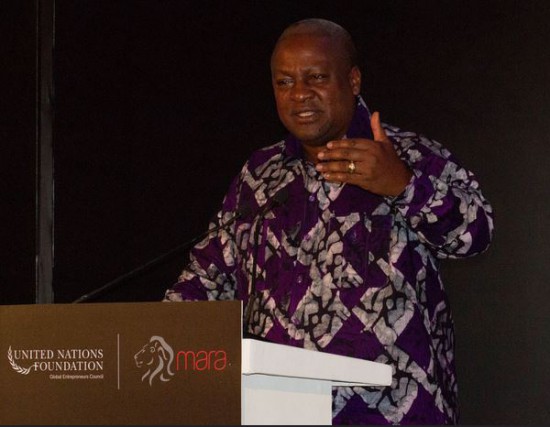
345, 271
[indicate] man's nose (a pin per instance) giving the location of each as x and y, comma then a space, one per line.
301, 91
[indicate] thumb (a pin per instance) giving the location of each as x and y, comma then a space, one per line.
377, 129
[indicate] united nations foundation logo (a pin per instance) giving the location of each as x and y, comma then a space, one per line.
58, 363
156, 358
15, 366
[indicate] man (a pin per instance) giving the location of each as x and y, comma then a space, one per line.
349, 220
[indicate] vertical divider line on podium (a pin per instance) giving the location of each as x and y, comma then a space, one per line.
118, 361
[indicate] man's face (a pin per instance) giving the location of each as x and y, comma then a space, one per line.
315, 87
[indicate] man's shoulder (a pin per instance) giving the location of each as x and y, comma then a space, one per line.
408, 140
398, 133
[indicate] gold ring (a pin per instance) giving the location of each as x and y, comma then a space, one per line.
351, 167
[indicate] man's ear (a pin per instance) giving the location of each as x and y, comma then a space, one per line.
355, 80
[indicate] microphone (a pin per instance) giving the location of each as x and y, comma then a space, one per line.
242, 212
278, 199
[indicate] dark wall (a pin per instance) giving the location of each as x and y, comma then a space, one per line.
158, 106
159, 103
17, 151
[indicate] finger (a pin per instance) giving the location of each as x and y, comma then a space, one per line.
377, 129
360, 144
341, 154
342, 177
346, 149
333, 166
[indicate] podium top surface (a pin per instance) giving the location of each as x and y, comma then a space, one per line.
259, 357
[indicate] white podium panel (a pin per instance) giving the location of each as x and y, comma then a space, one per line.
286, 385
271, 400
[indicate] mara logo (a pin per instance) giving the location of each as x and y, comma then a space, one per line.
156, 358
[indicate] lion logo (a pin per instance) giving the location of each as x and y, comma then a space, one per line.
157, 358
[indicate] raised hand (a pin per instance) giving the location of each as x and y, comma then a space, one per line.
369, 164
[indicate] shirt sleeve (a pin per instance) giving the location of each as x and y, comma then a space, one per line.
443, 203
211, 271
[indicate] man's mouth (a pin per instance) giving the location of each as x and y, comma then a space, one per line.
305, 114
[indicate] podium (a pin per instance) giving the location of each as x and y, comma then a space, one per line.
158, 364
285, 385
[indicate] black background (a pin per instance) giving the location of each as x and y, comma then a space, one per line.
159, 103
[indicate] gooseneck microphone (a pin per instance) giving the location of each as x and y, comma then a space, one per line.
242, 212
279, 199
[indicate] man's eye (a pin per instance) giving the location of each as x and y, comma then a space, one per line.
284, 82
318, 77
